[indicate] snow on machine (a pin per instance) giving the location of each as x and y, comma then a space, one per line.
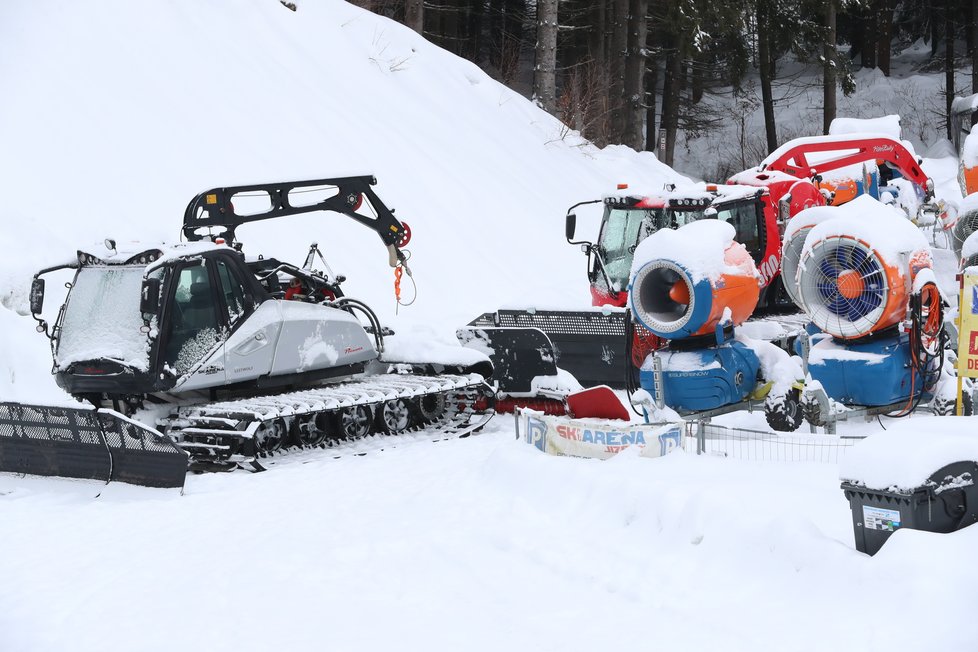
234, 358
692, 287
601, 346
865, 279
843, 167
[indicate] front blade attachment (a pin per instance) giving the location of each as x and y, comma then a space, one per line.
86, 443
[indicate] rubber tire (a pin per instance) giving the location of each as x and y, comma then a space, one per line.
951, 409
786, 416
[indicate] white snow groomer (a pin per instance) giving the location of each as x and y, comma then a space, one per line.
234, 359
692, 287
878, 343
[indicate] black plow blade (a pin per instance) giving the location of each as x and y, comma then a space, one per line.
86, 443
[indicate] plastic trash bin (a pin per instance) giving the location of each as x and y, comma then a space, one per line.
945, 502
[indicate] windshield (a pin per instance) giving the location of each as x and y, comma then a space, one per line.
624, 228
102, 320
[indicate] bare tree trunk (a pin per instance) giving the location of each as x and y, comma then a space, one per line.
414, 15
449, 25
619, 45
948, 62
670, 99
545, 69
885, 22
829, 68
635, 74
651, 85
766, 65
973, 28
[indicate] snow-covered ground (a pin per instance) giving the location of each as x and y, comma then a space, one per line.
114, 114
481, 544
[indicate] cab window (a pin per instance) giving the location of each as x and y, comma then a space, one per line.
744, 219
232, 291
194, 327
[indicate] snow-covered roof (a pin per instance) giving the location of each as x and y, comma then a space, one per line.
965, 104
888, 124
158, 253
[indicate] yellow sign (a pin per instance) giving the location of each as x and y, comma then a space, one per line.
968, 327
211, 199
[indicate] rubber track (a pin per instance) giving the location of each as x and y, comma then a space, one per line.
242, 417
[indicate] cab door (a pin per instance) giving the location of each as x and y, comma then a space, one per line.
194, 329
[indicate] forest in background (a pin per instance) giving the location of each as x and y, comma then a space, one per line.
635, 72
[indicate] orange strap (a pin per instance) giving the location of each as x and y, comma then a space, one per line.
398, 272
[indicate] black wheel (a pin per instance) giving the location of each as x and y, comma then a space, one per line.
784, 415
432, 407
311, 430
950, 408
394, 416
271, 435
354, 422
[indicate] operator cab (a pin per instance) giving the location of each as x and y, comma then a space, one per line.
627, 221
141, 322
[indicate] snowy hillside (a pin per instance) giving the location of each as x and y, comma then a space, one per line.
112, 129
114, 114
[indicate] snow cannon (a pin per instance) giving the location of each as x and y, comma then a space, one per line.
969, 252
794, 241
966, 224
859, 295
691, 287
677, 296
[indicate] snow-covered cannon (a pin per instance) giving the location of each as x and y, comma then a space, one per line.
692, 287
861, 276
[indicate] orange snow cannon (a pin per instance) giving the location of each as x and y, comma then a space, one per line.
693, 279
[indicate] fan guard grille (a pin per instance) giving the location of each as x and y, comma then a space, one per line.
843, 286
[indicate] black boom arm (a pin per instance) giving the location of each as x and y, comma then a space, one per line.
215, 208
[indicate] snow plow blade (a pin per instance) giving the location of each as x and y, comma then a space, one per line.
87, 443
591, 345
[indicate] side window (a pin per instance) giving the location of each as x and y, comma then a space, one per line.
232, 290
194, 328
745, 223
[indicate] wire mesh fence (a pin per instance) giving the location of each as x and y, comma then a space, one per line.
754, 445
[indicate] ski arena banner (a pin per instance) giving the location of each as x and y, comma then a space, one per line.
599, 439
968, 330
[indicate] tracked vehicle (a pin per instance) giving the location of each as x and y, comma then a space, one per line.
235, 358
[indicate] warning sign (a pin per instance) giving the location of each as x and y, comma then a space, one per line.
968, 329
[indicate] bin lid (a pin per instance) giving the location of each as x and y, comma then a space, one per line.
909, 452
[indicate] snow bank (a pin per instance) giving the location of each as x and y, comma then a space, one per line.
124, 108
118, 124
698, 246
25, 363
908, 453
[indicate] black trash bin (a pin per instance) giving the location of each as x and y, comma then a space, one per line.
947, 501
